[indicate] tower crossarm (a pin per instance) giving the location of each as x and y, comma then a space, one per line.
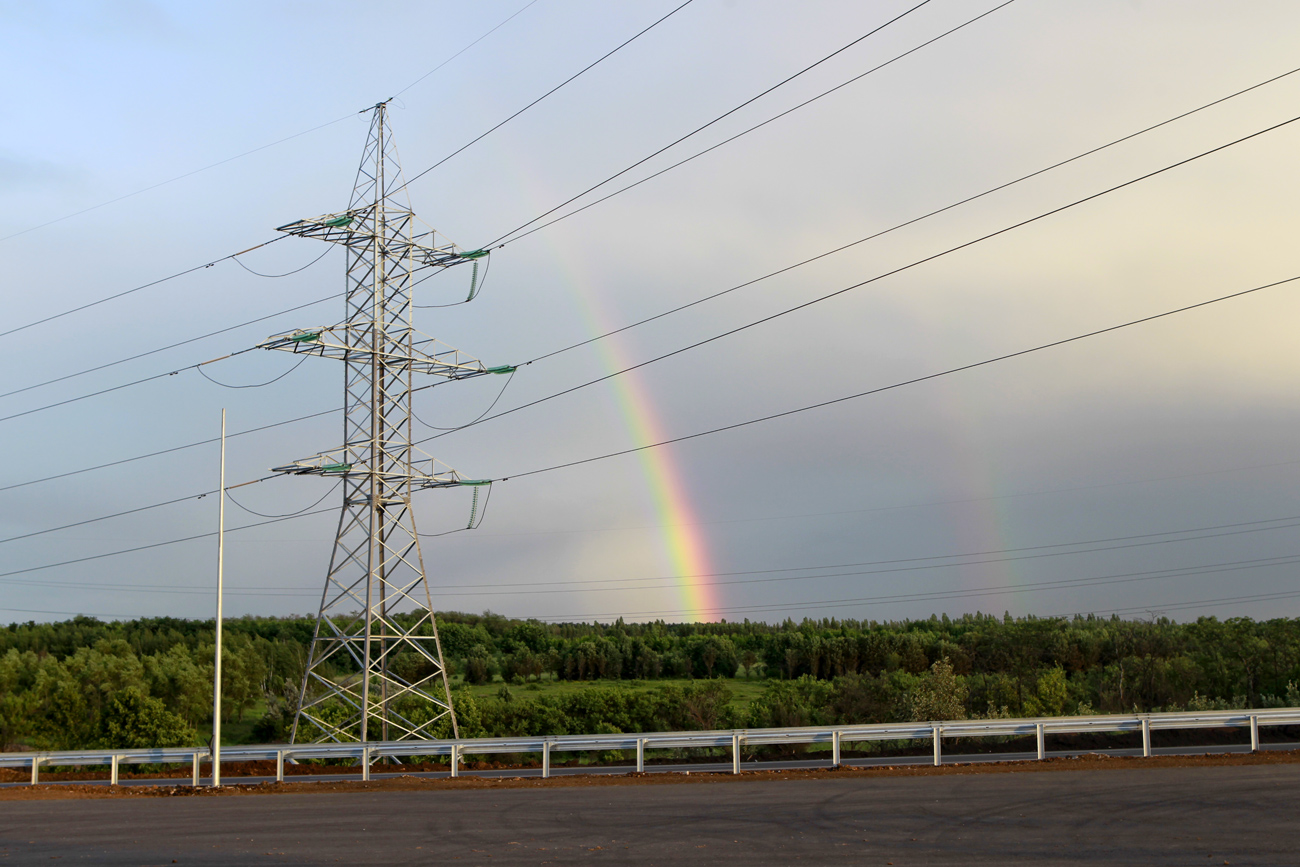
429, 356
357, 228
345, 463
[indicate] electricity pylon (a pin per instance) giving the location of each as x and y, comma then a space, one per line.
375, 655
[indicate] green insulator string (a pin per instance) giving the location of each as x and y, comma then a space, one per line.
473, 282
475, 516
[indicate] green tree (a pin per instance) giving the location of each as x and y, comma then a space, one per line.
940, 694
134, 720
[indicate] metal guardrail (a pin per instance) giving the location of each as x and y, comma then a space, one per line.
734, 739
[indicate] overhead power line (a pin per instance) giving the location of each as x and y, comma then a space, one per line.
1163, 607
132, 383
158, 544
1141, 540
124, 293
907, 563
168, 451
557, 87
975, 592
896, 226
218, 163
907, 382
708, 297
891, 273
178, 343
502, 238
136, 510
782, 579
519, 12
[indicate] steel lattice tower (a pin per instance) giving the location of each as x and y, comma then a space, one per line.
376, 609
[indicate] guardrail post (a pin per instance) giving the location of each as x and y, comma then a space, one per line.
1146, 737
365, 764
735, 753
279, 766
194, 770
36, 770
835, 749
640, 755
1042, 742
1254, 733
112, 771
546, 759
455, 760
938, 745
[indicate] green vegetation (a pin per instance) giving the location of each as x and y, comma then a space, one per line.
85, 683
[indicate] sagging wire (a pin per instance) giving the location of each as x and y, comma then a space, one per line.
476, 515
475, 421
475, 286
328, 248
199, 368
232, 499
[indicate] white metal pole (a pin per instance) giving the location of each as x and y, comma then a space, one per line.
735, 753
546, 759
1254, 733
216, 666
1042, 742
1146, 737
938, 746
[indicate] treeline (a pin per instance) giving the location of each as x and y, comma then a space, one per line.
84, 683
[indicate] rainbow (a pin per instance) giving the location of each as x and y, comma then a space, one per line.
684, 542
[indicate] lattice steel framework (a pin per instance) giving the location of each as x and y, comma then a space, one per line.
376, 612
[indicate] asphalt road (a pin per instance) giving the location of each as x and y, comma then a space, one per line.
703, 767
1242, 815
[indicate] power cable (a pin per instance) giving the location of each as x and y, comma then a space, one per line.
476, 516
859, 574
507, 239
171, 346
485, 412
895, 599
589, 66
931, 504
263, 147
298, 364
907, 382
1181, 606
1140, 540
1059, 584
158, 544
168, 451
130, 511
136, 289
332, 489
901, 269
522, 9
135, 382
726, 291
475, 287
328, 250
912, 221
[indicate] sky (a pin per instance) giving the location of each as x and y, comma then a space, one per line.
1150, 471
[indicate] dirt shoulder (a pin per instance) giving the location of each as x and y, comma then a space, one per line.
1095, 762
